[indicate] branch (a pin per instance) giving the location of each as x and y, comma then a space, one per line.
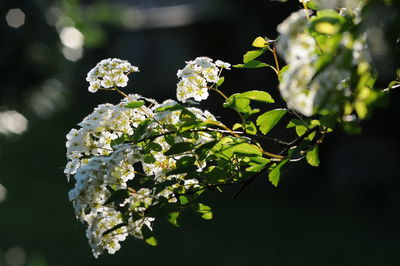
295, 142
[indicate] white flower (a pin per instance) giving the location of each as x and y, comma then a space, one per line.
110, 73
186, 72
201, 94
107, 82
121, 81
197, 76
94, 86
222, 64
203, 62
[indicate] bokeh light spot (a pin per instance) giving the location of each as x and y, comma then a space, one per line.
15, 18
12, 122
71, 37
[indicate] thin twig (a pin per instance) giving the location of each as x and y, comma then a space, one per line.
295, 142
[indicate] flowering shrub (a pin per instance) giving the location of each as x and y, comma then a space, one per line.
140, 160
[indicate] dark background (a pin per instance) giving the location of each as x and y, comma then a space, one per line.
343, 213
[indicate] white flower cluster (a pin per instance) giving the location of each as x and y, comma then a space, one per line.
102, 164
92, 191
97, 131
110, 73
196, 76
302, 87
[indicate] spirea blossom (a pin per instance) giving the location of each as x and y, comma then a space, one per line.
305, 89
197, 76
110, 73
104, 154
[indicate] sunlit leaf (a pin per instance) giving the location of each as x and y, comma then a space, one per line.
173, 107
220, 81
178, 148
312, 157
204, 210
252, 64
269, 119
173, 218
148, 235
250, 128
255, 95
251, 55
275, 174
260, 42
135, 104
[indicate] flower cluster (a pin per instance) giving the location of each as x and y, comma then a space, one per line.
97, 131
114, 146
196, 77
110, 73
309, 84
92, 191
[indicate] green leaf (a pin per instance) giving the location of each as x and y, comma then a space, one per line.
185, 161
327, 22
204, 210
220, 81
141, 129
134, 104
275, 175
183, 200
228, 146
187, 116
260, 96
124, 138
161, 186
312, 157
173, 218
242, 104
241, 101
183, 170
299, 126
173, 107
148, 236
251, 55
312, 5
216, 174
252, 64
257, 164
394, 84
149, 158
250, 128
283, 70
255, 168
170, 139
178, 148
269, 119
155, 146
204, 149
237, 126
117, 196
246, 149
361, 109
152, 241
